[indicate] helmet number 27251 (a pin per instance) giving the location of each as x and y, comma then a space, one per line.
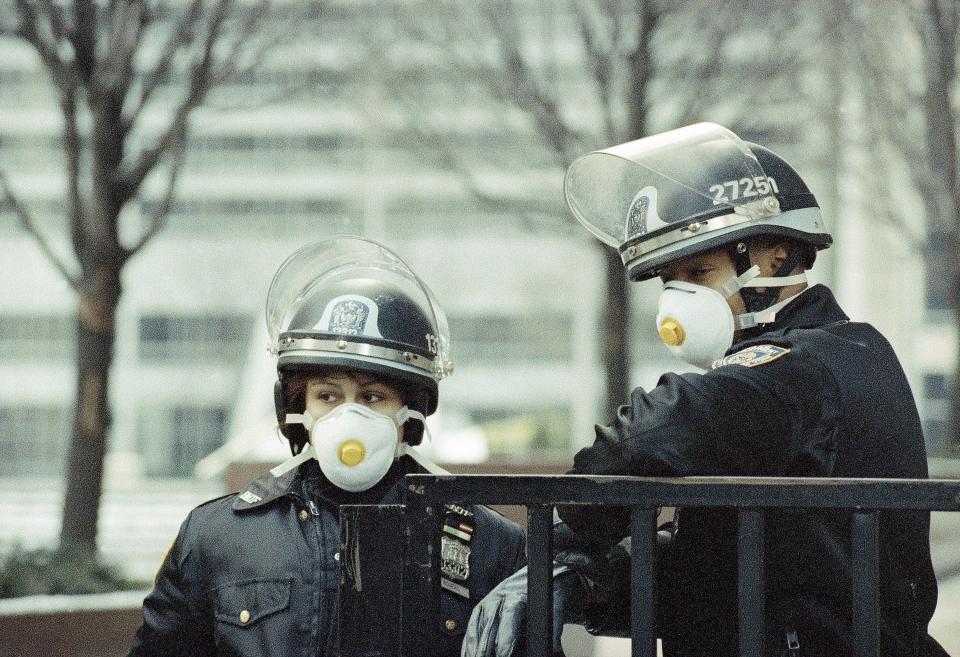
731, 190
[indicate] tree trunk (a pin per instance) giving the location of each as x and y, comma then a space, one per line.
88, 445
616, 333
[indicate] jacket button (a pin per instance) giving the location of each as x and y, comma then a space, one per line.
303, 515
451, 625
244, 616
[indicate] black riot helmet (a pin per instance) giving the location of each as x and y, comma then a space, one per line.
349, 303
679, 193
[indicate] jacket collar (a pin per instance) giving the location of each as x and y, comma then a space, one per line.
816, 306
307, 481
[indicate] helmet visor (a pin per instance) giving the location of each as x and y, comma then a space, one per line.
349, 262
631, 192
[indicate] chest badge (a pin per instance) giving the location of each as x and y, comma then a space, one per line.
454, 558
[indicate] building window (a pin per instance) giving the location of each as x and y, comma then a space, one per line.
33, 440
37, 337
174, 438
936, 411
493, 340
193, 338
509, 432
940, 281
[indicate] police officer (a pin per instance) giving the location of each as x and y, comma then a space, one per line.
361, 346
791, 387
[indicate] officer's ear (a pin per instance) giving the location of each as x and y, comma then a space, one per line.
770, 256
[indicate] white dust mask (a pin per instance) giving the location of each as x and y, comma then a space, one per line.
354, 445
696, 322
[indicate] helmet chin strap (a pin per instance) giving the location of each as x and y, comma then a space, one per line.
762, 306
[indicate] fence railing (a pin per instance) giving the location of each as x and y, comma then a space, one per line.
864, 498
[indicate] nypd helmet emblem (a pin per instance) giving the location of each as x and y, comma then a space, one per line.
348, 317
637, 216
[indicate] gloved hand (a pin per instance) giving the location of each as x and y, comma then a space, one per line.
498, 623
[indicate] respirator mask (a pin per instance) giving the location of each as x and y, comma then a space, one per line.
354, 445
696, 322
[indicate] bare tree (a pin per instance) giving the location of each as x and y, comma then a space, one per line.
939, 27
916, 118
110, 64
587, 74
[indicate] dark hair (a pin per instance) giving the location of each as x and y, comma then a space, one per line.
808, 252
293, 388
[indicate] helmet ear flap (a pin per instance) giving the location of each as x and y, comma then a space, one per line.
413, 428
296, 434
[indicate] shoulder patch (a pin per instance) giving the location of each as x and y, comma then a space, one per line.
760, 354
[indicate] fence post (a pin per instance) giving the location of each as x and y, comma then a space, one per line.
864, 540
420, 613
643, 586
750, 573
540, 581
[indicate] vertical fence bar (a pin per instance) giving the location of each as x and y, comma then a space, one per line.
540, 581
865, 594
643, 585
420, 611
750, 568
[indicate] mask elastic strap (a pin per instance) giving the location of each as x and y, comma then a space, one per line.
402, 416
305, 455
765, 316
300, 418
735, 284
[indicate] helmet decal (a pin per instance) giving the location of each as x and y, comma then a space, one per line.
350, 315
642, 216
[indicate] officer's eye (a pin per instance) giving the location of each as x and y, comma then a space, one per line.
326, 396
371, 397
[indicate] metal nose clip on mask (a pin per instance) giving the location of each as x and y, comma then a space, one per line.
354, 445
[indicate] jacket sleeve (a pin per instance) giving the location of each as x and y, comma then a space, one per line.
772, 419
176, 622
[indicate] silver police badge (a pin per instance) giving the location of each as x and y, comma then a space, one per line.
454, 558
348, 317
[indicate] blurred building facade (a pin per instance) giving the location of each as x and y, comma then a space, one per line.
523, 295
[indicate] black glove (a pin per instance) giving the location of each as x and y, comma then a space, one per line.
499, 621
604, 575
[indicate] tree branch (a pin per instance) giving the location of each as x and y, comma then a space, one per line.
131, 175
26, 220
180, 35
158, 217
128, 20
31, 30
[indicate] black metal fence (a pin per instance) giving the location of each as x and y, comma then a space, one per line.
426, 495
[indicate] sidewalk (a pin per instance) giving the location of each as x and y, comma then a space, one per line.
945, 626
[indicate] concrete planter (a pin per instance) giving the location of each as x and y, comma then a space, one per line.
98, 625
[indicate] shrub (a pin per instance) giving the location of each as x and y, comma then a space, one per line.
47, 571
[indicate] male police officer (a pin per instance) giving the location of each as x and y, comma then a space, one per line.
792, 388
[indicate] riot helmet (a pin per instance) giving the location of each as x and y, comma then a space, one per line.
687, 191
349, 303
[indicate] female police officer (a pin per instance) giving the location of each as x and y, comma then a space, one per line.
792, 388
361, 346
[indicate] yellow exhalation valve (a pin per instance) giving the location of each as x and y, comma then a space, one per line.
672, 333
351, 452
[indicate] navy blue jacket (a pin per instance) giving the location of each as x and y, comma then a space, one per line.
815, 395
256, 573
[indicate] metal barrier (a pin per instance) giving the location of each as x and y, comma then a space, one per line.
426, 495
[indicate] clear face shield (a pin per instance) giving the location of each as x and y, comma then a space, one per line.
353, 264
655, 196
